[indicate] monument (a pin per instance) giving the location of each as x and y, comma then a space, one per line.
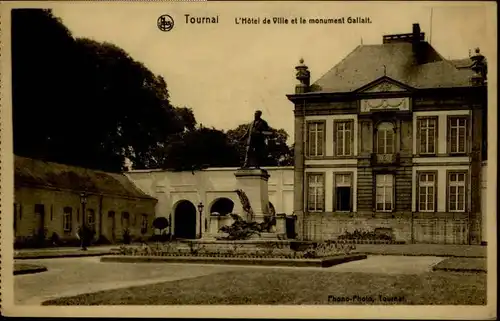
252, 185
252, 180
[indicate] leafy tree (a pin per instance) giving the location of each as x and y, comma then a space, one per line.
198, 149
279, 153
86, 103
43, 57
186, 116
160, 223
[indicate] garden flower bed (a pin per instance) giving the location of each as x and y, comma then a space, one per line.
262, 253
236, 260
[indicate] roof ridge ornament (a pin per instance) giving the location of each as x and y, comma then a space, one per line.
303, 76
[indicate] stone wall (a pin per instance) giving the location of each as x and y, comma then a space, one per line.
207, 186
439, 228
329, 225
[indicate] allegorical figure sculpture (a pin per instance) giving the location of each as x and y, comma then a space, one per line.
255, 137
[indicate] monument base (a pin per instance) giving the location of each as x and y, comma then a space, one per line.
253, 192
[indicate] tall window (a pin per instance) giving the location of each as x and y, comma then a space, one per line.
457, 132
91, 218
456, 192
385, 138
343, 192
428, 135
67, 219
144, 224
384, 193
426, 192
125, 220
316, 193
343, 138
316, 138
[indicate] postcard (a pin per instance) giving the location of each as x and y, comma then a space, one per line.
249, 159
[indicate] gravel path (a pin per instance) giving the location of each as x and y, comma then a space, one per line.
70, 276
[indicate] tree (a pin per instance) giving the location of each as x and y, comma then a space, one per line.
279, 153
160, 223
198, 149
43, 56
86, 103
186, 116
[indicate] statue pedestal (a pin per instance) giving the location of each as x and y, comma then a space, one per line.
215, 223
253, 182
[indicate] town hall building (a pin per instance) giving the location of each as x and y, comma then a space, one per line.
393, 137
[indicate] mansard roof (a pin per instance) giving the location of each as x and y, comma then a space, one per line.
366, 63
37, 173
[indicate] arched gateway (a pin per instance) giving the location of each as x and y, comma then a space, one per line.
185, 220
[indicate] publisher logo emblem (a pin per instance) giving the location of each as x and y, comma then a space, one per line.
165, 22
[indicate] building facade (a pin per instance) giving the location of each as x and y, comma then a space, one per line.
393, 137
53, 198
179, 195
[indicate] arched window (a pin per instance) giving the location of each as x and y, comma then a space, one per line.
385, 138
222, 206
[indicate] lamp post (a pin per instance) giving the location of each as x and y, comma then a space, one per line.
82, 233
200, 209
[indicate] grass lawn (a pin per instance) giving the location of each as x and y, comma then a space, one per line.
297, 287
451, 250
23, 268
462, 265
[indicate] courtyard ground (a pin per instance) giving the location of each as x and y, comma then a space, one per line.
73, 276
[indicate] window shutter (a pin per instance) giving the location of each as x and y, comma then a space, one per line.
419, 177
307, 139
308, 191
436, 135
334, 198
468, 141
448, 136
419, 125
335, 125
393, 186
324, 191
352, 134
351, 196
71, 220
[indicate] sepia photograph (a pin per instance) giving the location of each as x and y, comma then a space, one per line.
250, 159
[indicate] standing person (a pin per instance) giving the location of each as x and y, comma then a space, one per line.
84, 234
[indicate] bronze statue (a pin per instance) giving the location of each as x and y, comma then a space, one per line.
256, 135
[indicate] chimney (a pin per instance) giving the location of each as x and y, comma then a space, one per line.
416, 35
303, 76
416, 41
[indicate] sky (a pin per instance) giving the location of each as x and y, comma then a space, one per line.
226, 71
